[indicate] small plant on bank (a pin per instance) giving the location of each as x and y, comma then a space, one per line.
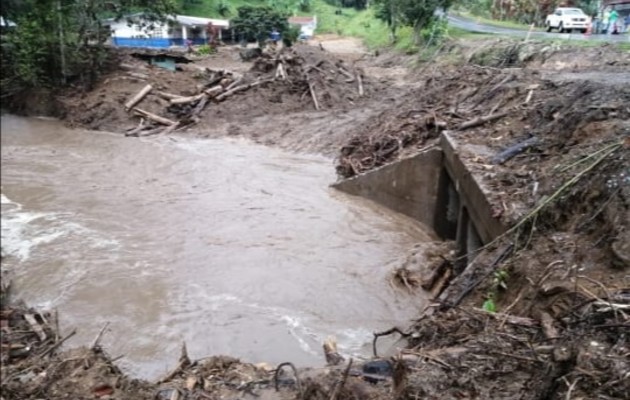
204, 50
499, 283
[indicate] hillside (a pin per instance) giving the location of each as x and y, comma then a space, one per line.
350, 22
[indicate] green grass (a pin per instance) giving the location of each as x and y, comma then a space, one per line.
361, 24
356, 23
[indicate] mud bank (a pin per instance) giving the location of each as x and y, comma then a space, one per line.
539, 311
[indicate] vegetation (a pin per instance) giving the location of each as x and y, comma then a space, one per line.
522, 11
57, 40
420, 15
255, 23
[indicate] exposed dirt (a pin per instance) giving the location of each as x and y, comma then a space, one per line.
559, 279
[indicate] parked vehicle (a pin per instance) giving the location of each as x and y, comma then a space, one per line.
568, 19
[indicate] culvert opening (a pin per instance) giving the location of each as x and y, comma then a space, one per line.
435, 188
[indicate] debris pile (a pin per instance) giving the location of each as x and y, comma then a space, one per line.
294, 79
521, 110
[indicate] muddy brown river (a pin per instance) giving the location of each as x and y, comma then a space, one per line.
231, 247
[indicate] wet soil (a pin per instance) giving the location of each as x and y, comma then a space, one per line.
542, 312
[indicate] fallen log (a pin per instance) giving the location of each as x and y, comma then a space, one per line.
151, 132
186, 100
313, 95
135, 128
230, 92
127, 67
37, 328
141, 131
280, 72
330, 352
240, 88
214, 91
138, 97
168, 96
153, 117
360, 84
347, 74
137, 75
481, 120
171, 128
514, 150
200, 106
234, 84
440, 284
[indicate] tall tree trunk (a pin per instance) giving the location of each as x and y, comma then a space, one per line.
62, 45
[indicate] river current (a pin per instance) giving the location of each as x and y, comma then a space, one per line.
232, 247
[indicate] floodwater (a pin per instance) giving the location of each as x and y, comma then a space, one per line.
232, 247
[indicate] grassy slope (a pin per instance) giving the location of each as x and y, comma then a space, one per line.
361, 24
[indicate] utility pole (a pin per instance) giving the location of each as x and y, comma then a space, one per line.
62, 45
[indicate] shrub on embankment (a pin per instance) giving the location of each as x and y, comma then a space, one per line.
55, 42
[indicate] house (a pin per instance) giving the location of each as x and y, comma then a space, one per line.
5, 23
307, 25
136, 31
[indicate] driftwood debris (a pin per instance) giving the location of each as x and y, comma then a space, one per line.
186, 100
214, 91
32, 321
168, 96
347, 74
481, 120
138, 97
360, 80
97, 339
153, 117
330, 352
514, 150
313, 95
280, 72
288, 70
200, 106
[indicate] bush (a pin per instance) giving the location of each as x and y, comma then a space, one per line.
291, 35
204, 50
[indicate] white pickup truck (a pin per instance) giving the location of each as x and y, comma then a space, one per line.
567, 19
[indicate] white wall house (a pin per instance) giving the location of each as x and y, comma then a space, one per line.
135, 31
307, 26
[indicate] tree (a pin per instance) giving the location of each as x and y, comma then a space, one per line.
57, 39
388, 11
256, 23
419, 14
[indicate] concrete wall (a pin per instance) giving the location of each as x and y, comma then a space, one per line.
437, 189
471, 196
409, 186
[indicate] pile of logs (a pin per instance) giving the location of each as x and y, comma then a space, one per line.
322, 81
220, 86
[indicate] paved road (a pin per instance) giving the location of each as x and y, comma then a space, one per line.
471, 25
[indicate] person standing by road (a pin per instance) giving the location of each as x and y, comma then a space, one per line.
606, 20
612, 26
275, 36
